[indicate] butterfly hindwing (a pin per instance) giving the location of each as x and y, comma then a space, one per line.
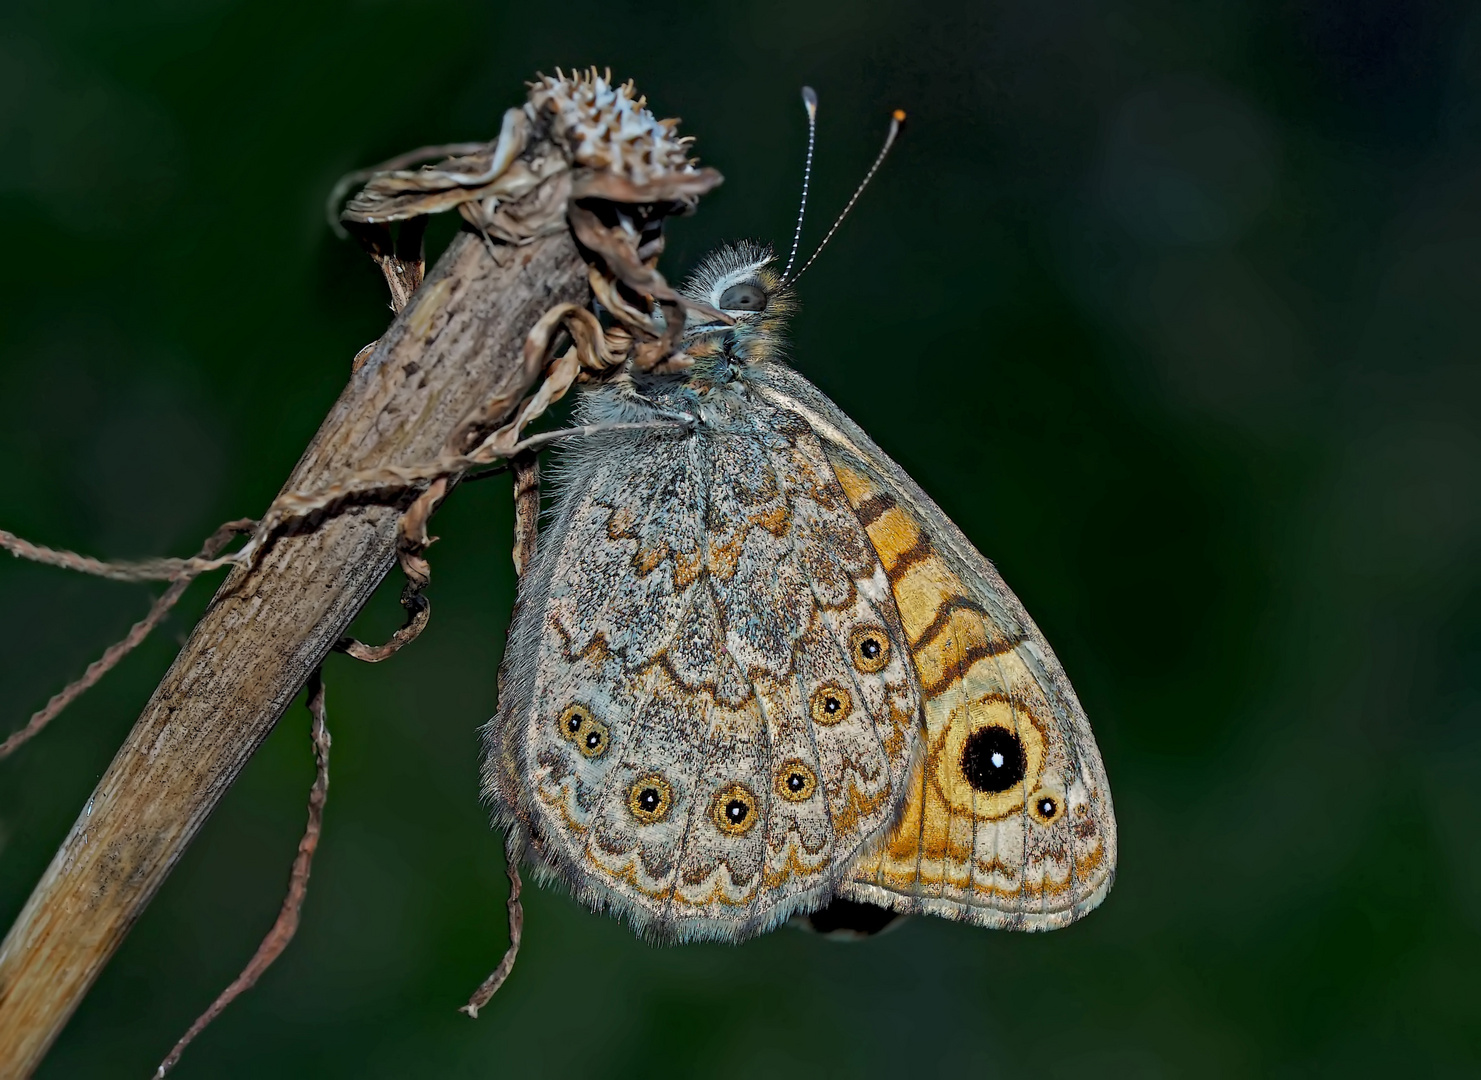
1009, 822
708, 707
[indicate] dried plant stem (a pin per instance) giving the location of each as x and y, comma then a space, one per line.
145, 570
457, 346
418, 612
286, 925
526, 510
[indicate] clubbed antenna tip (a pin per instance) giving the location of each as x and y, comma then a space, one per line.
897, 119
810, 103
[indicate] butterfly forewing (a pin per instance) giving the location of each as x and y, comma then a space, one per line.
1009, 821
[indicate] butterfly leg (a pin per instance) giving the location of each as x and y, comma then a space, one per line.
593, 350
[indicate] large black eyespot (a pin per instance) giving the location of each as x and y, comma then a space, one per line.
993, 760
733, 809
650, 798
743, 298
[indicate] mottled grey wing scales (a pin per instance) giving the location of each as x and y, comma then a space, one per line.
708, 617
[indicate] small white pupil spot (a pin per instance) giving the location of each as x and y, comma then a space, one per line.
998, 760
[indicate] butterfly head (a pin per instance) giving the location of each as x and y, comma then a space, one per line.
740, 280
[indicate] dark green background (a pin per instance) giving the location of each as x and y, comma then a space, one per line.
1173, 307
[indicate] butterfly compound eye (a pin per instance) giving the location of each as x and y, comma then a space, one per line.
830, 705
743, 298
993, 760
650, 798
795, 782
869, 649
733, 809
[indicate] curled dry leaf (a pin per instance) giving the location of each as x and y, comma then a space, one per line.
601, 133
585, 150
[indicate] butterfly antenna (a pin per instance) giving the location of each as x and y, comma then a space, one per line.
810, 103
897, 118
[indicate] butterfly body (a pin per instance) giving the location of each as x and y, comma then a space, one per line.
754, 668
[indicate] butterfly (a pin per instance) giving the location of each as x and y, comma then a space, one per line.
754, 671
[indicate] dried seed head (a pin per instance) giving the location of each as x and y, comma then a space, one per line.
605, 127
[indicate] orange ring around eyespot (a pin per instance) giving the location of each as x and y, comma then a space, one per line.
789, 769
1056, 801
831, 705
582, 715
720, 807
593, 727
858, 647
661, 787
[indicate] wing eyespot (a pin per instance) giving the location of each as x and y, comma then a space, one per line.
831, 705
993, 759
869, 649
1047, 808
594, 740
589, 734
571, 721
650, 798
795, 781
734, 809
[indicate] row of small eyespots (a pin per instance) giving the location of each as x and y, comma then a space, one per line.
733, 808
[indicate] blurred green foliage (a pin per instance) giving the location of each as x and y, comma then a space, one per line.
1173, 307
